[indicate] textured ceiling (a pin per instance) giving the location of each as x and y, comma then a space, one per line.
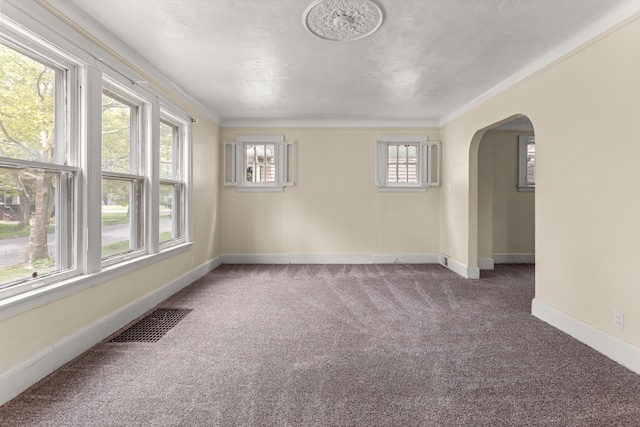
253, 62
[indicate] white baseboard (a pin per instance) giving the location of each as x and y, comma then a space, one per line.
485, 263
331, 259
514, 258
612, 347
406, 259
255, 259
462, 269
22, 376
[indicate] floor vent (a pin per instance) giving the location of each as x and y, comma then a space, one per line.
154, 326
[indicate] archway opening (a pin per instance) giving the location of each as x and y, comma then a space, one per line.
505, 208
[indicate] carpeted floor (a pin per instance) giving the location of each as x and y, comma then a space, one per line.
335, 345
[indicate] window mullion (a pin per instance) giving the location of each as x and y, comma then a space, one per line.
153, 181
91, 159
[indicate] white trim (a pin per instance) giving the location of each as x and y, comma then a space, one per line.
514, 258
486, 263
394, 189
331, 258
459, 268
327, 124
406, 259
592, 32
111, 50
22, 376
610, 346
29, 300
255, 259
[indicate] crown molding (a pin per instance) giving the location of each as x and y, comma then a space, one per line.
592, 33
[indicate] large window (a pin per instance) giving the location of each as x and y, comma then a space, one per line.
407, 163
94, 167
172, 179
527, 163
259, 163
122, 179
37, 178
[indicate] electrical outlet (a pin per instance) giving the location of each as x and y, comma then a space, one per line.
618, 319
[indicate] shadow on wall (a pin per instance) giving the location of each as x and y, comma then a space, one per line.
506, 193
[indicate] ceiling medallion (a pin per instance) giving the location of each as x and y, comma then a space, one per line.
342, 20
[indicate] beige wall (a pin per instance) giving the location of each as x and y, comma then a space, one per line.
334, 207
33, 331
585, 111
506, 216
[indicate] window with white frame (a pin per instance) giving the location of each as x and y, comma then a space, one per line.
407, 163
259, 163
91, 164
37, 165
123, 137
171, 204
527, 163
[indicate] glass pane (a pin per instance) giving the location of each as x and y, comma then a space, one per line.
260, 163
402, 173
116, 136
393, 153
167, 137
412, 153
402, 153
27, 108
116, 217
251, 154
270, 163
393, 174
531, 163
28, 229
171, 202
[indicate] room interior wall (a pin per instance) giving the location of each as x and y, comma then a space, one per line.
334, 211
506, 216
584, 110
33, 331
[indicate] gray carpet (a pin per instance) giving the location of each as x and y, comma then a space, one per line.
334, 345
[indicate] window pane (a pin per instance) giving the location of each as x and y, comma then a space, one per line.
393, 153
29, 233
171, 202
531, 163
260, 163
402, 163
116, 217
167, 138
270, 163
27, 108
116, 136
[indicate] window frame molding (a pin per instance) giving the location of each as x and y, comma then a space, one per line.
39, 30
140, 129
523, 184
427, 177
234, 174
172, 114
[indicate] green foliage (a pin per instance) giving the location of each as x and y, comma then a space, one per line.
43, 264
27, 100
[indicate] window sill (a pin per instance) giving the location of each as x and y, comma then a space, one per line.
527, 189
260, 189
402, 189
19, 303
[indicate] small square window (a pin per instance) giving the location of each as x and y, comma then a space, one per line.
407, 163
259, 163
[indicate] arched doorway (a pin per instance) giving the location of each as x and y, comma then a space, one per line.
506, 193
